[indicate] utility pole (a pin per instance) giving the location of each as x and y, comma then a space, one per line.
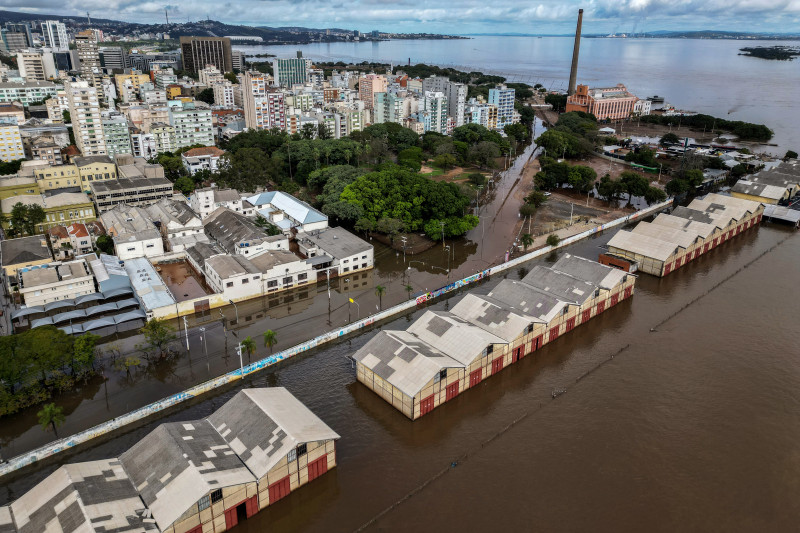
186, 331
241, 364
442, 224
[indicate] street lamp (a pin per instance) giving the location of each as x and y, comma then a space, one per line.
235, 309
404, 239
447, 249
241, 364
358, 309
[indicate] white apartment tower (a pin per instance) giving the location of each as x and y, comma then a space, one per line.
87, 122
55, 35
89, 59
434, 105
264, 108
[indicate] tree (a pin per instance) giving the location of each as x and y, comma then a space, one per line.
694, 177
676, 186
552, 240
105, 244
206, 95
484, 153
527, 210
249, 346
445, 161
582, 178
379, 290
158, 335
790, 154
610, 189
635, 184
270, 339
10, 167
185, 184
477, 179
66, 117
536, 198
27, 217
409, 289
389, 226
526, 240
231, 77
653, 195
84, 353
50, 417
126, 363
47, 349
669, 138
738, 171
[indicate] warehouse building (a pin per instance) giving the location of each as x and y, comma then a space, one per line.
444, 353
666, 244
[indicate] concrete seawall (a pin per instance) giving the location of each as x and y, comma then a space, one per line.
67, 443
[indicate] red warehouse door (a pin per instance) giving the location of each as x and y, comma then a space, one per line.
716, 241
678, 262
705, 247
497, 365
230, 517
628, 292
667, 268
318, 467
279, 489
553, 333
570, 324
536, 343
252, 506
601, 306
475, 377
586, 315
516, 354
614, 299
451, 391
426, 405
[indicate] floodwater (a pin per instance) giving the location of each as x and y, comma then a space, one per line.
675, 410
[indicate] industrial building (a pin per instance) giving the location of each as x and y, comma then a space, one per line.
187, 477
444, 353
666, 244
770, 186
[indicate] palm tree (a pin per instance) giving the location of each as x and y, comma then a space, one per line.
409, 290
52, 416
379, 290
270, 339
249, 346
526, 240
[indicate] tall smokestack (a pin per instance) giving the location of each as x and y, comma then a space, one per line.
573, 72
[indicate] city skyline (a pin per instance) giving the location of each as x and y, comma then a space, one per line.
469, 16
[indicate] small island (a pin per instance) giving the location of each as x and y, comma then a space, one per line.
778, 53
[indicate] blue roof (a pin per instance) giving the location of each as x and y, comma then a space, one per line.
291, 206
149, 286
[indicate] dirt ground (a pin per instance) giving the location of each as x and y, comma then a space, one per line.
181, 280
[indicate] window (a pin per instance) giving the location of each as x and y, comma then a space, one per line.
363, 257
529, 329
596, 293
245, 280
292, 456
363, 265
302, 277
216, 496
566, 310
229, 284
287, 280
346, 261
301, 450
346, 269
440, 376
204, 503
272, 283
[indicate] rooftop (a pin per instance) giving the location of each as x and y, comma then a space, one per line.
645, 245
701, 229
201, 251
559, 284
273, 258
453, 335
599, 275
25, 250
681, 237
170, 211
149, 286
526, 300
336, 242
762, 190
288, 204
125, 184
212, 151
229, 228
227, 266
480, 311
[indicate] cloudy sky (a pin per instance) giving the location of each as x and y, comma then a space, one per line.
451, 16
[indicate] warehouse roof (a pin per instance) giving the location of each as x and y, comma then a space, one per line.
403, 360
283, 423
730, 202
697, 216
645, 245
527, 299
202, 251
227, 266
288, 204
599, 275
6, 522
336, 242
166, 211
452, 335
761, 190
701, 229
229, 228
149, 286
24, 250
782, 213
682, 238
271, 259
178, 463
92, 496
480, 311
559, 284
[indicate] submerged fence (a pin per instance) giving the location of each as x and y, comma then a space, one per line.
61, 445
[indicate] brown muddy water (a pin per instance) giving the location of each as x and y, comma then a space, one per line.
676, 410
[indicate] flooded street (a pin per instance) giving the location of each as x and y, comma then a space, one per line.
693, 426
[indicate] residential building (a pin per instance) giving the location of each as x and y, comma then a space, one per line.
613, 103
337, 248
87, 122
43, 149
503, 98
11, 147
287, 212
206, 158
117, 135
55, 111
60, 209
197, 52
207, 200
290, 71
210, 75
35, 65
130, 81
263, 108
368, 85
60, 242
28, 92
89, 59
456, 101
153, 97
92, 169
164, 136
143, 144
389, 107
12, 113
281, 270
192, 123
44, 285
481, 113
237, 234
14, 41
24, 252
81, 237
433, 110
133, 232
238, 60
113, 58
233, 276
51, 177
224, 94
55, 35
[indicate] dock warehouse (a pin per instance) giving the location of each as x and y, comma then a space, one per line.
662, 246
444, 353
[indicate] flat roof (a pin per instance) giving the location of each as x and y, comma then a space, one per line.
149, 286
645, 245
336, 242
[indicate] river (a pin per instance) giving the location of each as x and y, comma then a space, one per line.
692, 426
703, 75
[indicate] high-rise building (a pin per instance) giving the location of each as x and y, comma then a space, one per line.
21, 27
35, 65
113, 58
13, 41
11, 147
89, 59
224, 94
291, 71
264, 108
503, 98
87, 122
434, 107
192, 123
237, 60
210, 75
201, 51
389, 107
55, 35
456, 101
115, 130
369, 85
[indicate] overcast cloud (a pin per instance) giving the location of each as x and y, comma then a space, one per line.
451, 16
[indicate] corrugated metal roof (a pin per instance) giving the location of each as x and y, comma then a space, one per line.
643, 245
559, 284
599, 275
782, 213
291, 206
701, 229
682, 238
490, 316
453, 335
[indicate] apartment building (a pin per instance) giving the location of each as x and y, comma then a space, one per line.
87, 122
197, 52
117, 135
192, 123
11, 147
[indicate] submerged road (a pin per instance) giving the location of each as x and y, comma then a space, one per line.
692, 426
